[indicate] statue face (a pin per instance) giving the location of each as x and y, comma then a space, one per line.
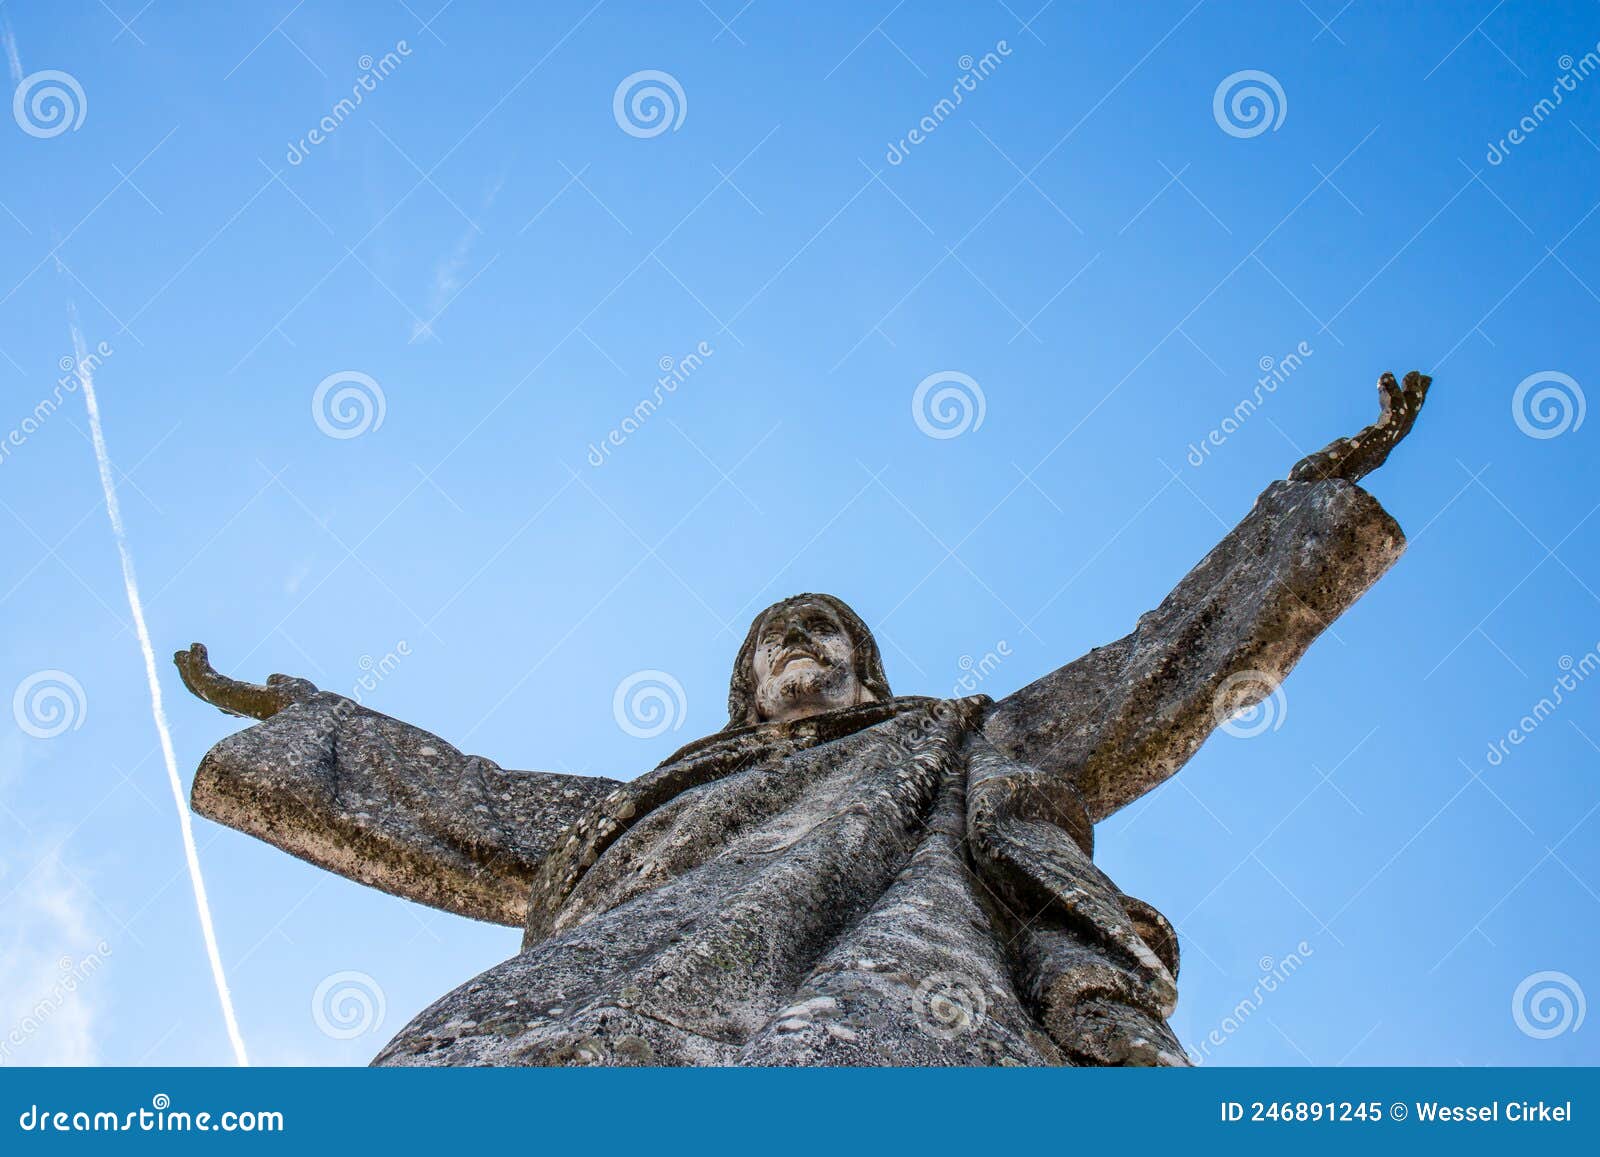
804, 664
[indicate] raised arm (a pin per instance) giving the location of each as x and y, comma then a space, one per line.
377, 800
1124, 718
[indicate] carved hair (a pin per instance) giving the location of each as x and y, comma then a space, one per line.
867, 661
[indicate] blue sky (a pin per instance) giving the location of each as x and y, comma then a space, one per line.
483, 241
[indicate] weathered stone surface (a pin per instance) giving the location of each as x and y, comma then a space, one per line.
389, 805
841, 876
1125, 717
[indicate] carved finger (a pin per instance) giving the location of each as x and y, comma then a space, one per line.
194, 658
1416, 388
1390, 396
209, 685
194, 666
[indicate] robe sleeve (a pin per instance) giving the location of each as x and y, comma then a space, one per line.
1124, 718
391, 806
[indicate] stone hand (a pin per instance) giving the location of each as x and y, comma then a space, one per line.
251, 700
1354, 458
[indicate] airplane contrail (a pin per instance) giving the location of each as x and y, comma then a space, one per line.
8, 40
158, 712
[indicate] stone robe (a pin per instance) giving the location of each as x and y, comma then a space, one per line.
908, 882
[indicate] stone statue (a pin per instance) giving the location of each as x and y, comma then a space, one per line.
841, 876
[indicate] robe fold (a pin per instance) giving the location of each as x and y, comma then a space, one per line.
907, 882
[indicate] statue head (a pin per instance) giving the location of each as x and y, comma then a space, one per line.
805, 655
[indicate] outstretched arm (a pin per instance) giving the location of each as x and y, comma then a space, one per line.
377, 800
1124, 718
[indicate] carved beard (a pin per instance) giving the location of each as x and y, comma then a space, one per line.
820, 687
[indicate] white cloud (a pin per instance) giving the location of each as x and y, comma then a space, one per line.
52, 958
447, 274
52, 965
296, 579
